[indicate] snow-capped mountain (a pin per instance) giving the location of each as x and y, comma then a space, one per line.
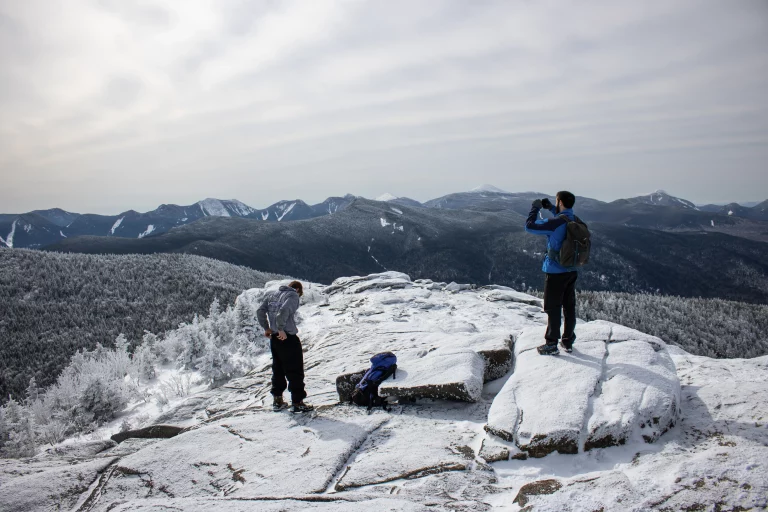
478, 421
658, 211
404, 201
44, 227
661, 198
489, 188
219, 208
286, 211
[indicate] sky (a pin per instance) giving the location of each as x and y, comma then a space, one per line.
109, 105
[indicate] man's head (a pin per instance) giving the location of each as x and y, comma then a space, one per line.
564, 200
296, 285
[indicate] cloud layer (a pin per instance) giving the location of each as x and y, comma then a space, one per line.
109, 105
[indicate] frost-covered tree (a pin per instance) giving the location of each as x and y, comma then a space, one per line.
215, 364
18, 438
144, 359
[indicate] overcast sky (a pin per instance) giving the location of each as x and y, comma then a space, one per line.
110, 104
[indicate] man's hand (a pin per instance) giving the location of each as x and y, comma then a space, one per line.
537, 204
282, 336
268, 333
546, 203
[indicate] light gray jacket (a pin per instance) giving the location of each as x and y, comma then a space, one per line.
279, 308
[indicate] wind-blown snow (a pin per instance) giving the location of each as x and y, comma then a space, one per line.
386, 197
213, 207
8, 241
62, 234
149, 230
286, 211
116, 225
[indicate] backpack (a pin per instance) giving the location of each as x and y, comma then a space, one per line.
367, 390
575, 249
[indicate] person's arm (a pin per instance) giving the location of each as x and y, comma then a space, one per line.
261, 315
537, 226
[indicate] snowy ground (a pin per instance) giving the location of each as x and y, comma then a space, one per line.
705, 420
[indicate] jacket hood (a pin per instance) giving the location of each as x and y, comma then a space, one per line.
285, 288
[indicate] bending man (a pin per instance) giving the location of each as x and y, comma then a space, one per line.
277, 316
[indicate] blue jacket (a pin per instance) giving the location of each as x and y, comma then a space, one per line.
554, 229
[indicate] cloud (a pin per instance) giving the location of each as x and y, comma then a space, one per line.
221, 97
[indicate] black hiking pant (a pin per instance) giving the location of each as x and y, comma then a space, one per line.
560, 296
287, 363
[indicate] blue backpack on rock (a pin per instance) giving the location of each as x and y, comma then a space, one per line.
367, 390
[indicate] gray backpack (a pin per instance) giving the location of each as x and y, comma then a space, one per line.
575, 250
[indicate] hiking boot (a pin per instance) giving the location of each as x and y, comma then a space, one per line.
278, 403
302, 407
548, 349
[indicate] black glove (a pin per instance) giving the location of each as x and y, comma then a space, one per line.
546, 203
537, 204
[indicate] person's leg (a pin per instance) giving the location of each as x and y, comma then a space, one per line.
553, 305
278, 372
569, 309
293, 364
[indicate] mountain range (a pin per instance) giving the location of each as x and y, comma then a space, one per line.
658, 210
462, 245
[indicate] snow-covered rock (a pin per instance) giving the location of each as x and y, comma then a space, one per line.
393, 280
618, 384
511, 295
621, 385
310, 503
257, 454
421, 452
443, 374
639, 395
47, 486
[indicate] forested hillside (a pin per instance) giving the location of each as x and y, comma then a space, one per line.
705, 327
54, 304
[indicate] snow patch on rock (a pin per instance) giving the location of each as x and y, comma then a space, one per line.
116, 225
8, 241
148, 231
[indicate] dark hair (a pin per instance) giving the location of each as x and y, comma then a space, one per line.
567, 198
298, 287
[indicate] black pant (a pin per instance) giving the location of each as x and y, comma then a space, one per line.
560, 294
288, 362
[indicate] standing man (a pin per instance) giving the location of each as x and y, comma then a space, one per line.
560, 282
277, 316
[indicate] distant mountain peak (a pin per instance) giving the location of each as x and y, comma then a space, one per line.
212, 207
386, 197
489, 188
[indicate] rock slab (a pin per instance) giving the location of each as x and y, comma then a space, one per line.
442, 374
617, 384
